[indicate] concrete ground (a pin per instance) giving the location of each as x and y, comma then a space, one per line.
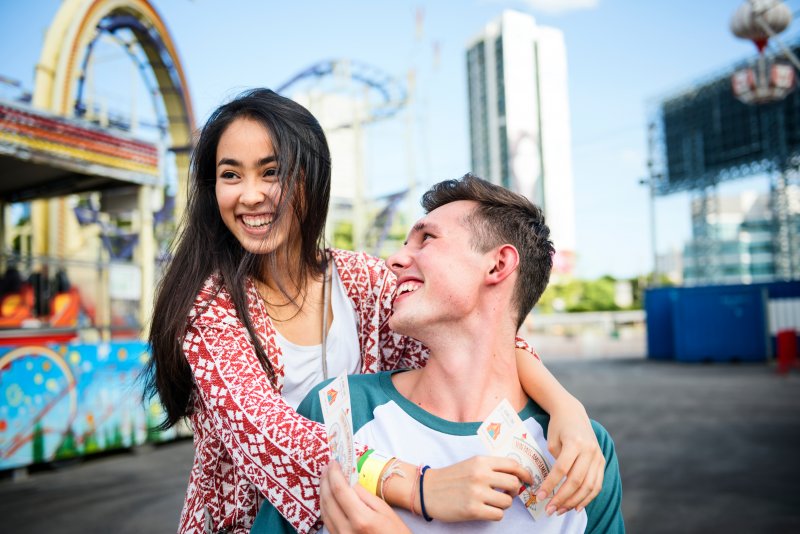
702, 448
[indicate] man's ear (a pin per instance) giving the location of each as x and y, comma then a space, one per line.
505, 261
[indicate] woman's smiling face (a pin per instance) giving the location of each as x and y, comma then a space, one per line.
248, 189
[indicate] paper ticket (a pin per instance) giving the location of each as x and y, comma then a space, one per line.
504, 434
335, 401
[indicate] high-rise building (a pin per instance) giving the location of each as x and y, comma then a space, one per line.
519, 119
740, 231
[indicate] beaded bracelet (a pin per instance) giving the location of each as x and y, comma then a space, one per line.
422, 494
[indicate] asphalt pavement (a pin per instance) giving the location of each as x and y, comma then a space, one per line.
703, 448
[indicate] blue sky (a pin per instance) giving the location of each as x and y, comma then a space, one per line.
622, 56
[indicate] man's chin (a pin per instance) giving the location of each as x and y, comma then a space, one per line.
401, 326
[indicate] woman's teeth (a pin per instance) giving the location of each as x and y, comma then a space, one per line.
256, 222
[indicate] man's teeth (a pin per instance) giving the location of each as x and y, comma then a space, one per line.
407, 287
256, 222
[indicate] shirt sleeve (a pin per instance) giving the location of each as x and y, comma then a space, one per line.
281, 452
605, 511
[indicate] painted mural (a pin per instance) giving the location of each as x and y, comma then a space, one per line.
61, 401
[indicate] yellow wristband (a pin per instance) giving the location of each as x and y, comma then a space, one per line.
370, 473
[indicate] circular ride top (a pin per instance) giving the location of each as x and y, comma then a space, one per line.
386, 95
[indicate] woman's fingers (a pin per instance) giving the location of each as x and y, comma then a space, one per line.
560, 469
575, 479
593, 485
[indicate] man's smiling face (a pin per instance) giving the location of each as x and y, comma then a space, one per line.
439, 273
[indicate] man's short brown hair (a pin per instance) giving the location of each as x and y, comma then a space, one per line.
501, 217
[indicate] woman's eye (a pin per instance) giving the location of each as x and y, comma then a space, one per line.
426, 236
228, 175
271, 172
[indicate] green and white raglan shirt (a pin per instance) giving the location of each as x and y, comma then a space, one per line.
388, 422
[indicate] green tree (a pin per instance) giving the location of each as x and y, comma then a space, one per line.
343, 235
598, 295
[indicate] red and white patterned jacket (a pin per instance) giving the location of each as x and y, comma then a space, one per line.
248, 441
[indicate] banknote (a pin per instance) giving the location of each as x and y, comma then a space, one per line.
505, 435
335, 401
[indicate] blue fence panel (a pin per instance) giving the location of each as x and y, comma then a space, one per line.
722, 323
658, 304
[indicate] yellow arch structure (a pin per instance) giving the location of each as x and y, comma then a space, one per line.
67, 39
57, 74
59, 68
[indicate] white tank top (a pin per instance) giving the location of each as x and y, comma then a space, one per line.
302, 364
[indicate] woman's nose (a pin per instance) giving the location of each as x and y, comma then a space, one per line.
253, 192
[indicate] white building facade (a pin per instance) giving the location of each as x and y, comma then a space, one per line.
519, 120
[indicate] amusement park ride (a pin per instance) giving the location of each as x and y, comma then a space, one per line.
74, 292
368, 95
75, 285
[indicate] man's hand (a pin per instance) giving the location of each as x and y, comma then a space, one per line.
571, 439
468, 490
346, 509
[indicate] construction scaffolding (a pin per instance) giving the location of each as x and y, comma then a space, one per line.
706, 136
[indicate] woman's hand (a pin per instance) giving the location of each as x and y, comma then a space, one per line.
571, 439
468, 490
346, 509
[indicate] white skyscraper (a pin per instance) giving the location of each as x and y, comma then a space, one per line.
519, 119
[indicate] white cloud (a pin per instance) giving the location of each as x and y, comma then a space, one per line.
560, 6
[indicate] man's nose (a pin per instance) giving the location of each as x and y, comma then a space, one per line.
399, 260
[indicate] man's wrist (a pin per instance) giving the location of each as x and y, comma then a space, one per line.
400, 492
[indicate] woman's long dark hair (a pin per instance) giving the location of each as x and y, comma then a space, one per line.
204, 244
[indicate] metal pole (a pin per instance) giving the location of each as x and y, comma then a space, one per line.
651, 182
786, 50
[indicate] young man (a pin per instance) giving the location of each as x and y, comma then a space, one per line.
469, 273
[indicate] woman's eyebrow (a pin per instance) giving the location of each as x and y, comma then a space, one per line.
236, 163
229, 161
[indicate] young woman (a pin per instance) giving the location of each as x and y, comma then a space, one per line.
253, 311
